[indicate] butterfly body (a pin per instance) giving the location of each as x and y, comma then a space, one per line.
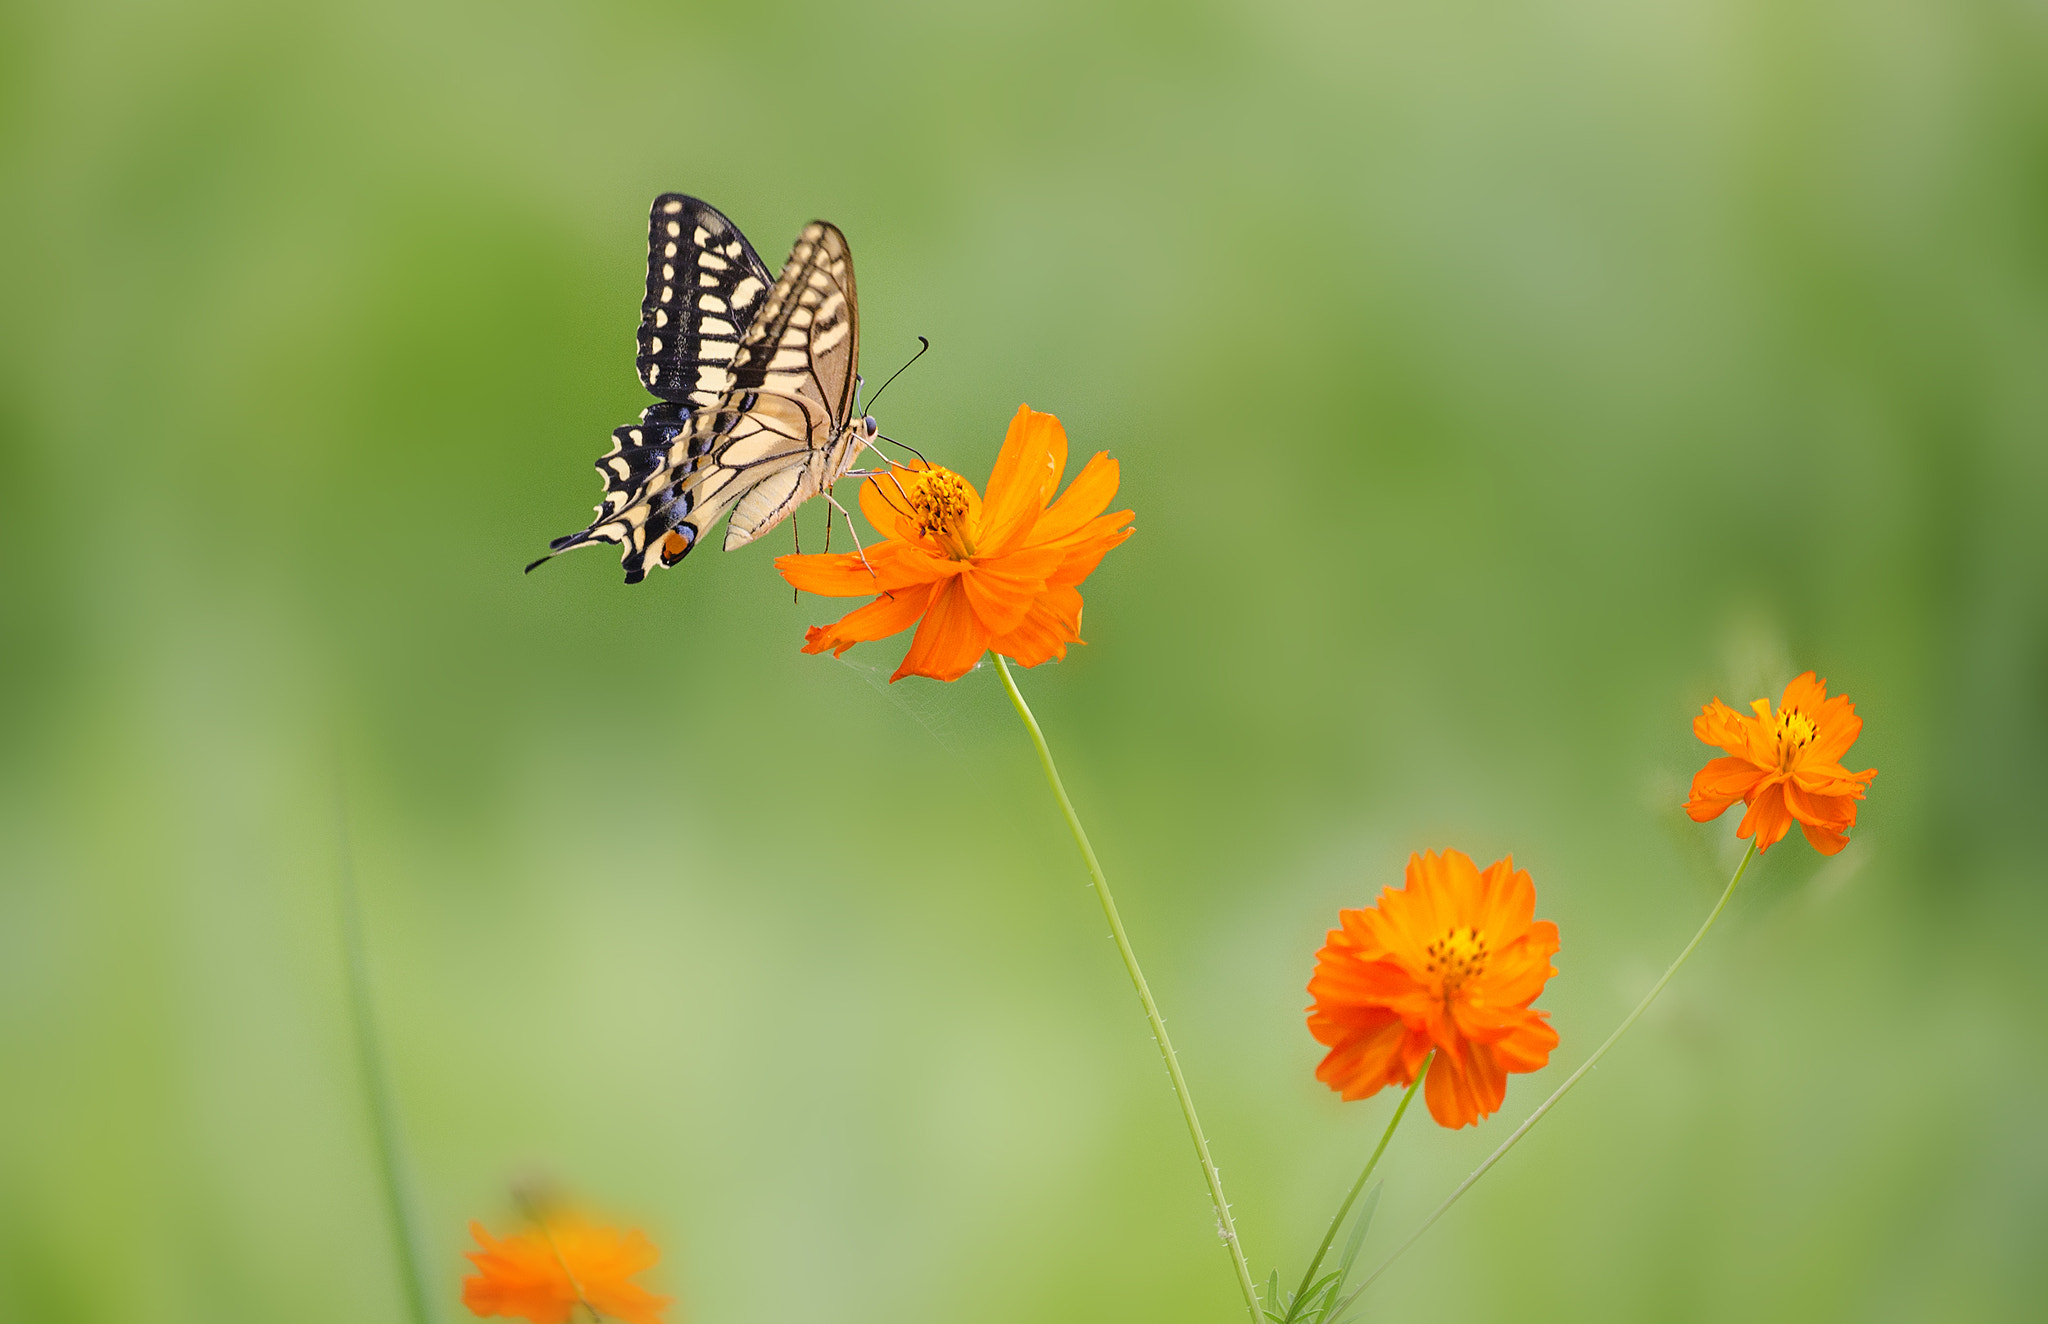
757, 379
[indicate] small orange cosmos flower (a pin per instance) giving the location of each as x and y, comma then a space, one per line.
1451, 962
1784, 766
544, 1275
973, 573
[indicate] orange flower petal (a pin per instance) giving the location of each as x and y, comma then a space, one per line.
950, 639
1081, 557
1506, 902
1026, 475
1838, 728
1053, 622
1718, 724
1832, 779
1831, 812
519, 1277
1002, 592
1368, 1054
830, 575
878, 620
1518, 972
1464, 1086
1768, 819
1825, 840
1086, 497
1720, 784
1806, 693
1529, 1047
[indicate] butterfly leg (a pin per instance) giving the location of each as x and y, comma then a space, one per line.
796, 533
852, 532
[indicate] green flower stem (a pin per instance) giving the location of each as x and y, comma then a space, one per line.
1225, 1228
1356, 1187
376, 1088
1570, 1080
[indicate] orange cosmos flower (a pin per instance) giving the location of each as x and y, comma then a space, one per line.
973, 572
1784, 766
544, 1275
1451, 962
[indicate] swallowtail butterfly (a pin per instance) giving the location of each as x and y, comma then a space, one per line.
755, 377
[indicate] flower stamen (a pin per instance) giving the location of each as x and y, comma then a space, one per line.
939, 504
1456, 957
1795, 731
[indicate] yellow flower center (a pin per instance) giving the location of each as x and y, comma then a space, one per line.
939, 503
1456, 957
1795, 732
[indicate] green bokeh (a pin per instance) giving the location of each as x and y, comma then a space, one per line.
1494, 384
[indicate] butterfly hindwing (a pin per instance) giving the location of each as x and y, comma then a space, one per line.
705, 283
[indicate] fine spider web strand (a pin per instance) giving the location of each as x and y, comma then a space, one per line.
1570, 1081
933, 709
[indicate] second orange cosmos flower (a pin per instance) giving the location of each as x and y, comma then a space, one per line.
973, 573
1785, 765
1451, 961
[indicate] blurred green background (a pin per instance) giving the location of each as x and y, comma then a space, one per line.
1494, 383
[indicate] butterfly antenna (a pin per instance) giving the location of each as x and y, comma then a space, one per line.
922, 346
905, 445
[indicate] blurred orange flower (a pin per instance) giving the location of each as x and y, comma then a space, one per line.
545, 1274
973, 573
1784, 765
1451, 962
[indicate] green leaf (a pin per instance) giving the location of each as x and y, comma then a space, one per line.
1316, 1299
1372, 1204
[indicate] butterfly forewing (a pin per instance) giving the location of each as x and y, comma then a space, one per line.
705, 283
798, 364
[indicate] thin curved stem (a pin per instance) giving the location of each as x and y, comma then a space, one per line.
1330, 1237
1570, 1080
376, 1086
1225, 1228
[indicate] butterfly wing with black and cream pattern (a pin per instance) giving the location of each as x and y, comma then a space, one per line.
785, 431
755, 429
704, 286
